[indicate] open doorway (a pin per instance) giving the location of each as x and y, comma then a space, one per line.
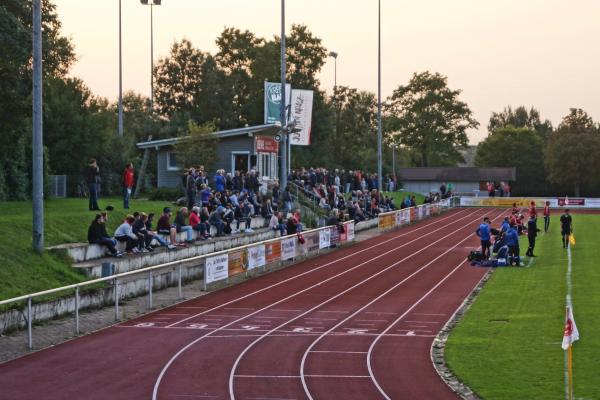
240, 161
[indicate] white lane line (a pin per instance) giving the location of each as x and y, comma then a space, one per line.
237, 361
298, 376
424, 322
436, 222
338, 352
385, 331
346, 271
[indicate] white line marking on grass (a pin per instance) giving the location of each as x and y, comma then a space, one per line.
570, 305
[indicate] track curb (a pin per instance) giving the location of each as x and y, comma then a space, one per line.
438, 347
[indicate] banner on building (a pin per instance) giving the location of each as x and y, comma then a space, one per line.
256, 256
273, 101
266, 144
301, 113
216, 268
288, 248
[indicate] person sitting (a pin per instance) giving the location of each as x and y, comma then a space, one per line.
124, 233
164, 226
291, 226
215, 219
140, 230
154, 234
276, 223
297, 218
197, 224
181, 226
247, 213
97, 235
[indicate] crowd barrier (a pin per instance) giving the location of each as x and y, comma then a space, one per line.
395, 219
216, 267
540, 202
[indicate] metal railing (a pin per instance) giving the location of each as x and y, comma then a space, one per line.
115, 279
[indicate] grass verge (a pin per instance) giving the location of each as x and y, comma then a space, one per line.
23, 271
508, 344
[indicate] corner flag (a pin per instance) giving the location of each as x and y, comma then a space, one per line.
571, 334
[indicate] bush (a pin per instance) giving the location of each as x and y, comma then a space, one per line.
164, 194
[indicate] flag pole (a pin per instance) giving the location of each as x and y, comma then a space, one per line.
570, 370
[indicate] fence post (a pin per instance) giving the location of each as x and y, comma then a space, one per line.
77, 310
29, 333
150, 290
179, 282
116, 299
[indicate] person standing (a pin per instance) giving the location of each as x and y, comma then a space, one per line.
546, 217
512, 241
532, 231
566, 227
128, 181
92, 176
190, 188
484, 234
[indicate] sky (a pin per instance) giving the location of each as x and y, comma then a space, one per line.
541, 53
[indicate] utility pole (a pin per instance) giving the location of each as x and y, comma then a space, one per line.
284, 137
379, 157
38, 134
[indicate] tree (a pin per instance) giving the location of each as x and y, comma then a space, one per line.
199, 148
516, 147
520, 117
427, 117
177, 79
573, 152
15, 84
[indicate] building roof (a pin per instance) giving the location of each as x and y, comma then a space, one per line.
249, 130
458, 174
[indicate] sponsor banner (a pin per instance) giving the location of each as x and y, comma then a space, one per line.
273, 101
406, 217
427, 210
273, 250
312, 241
420, 212
350, 232
324, 238
344, 235
435, 209
216, 268
266, 144
398, 218
288, 248
524, 202
413, 214
301, 113
256, 256
335, 235
237, 262
570, 201
386, 221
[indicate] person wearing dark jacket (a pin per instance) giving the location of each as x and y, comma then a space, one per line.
291, 226
216, 219
92, 177
97, 235
532, 231
140, 230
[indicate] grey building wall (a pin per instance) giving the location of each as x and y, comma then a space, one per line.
425, 187
225, 148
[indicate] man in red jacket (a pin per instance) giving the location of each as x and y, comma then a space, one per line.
127, 184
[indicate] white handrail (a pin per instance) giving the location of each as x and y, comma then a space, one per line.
152, 268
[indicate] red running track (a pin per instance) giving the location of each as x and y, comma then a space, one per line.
356, 323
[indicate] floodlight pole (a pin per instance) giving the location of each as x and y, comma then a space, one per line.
120, 123
38, 134
284, 138
379, 157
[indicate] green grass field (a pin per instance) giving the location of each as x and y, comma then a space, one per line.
508, 344
66, 220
